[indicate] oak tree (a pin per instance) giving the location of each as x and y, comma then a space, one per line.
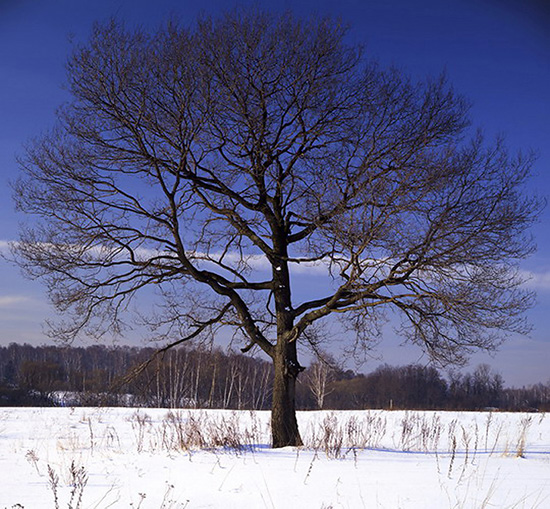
209, 162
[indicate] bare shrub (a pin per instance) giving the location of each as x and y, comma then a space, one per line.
199, 430
78, 478
141, 426
524, 427
53, 479
32, 458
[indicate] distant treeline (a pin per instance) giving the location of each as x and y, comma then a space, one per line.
201, 378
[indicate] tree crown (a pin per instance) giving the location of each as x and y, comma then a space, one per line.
189, 157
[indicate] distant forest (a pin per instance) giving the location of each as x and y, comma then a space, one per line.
200, 378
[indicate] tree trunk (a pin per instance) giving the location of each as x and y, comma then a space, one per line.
284, 427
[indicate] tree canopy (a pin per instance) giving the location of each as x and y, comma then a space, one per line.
189, 157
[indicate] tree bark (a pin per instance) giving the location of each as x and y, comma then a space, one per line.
284, 426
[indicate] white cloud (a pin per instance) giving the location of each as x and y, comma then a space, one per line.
8, 301
536, 280
259, 262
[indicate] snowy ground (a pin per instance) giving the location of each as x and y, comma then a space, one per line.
131, 458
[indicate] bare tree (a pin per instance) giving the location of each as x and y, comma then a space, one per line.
318, 377
208, 162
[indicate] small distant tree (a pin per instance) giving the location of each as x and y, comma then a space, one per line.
42, 377
487, 387
209, 162
318, 378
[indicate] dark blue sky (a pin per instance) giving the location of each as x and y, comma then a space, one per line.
495, 52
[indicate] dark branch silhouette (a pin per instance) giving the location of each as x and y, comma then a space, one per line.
209, 162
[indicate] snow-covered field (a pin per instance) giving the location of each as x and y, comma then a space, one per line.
128, 458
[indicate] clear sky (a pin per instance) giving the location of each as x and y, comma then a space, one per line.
495, 52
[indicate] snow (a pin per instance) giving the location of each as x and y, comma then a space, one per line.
153, 458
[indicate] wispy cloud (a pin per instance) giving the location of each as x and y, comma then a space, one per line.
8, 301
259, 262
4, 246
536, 280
